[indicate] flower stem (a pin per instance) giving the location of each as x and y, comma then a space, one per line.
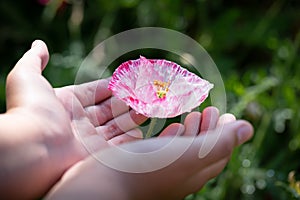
151, 128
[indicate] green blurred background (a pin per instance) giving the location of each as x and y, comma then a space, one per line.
255, 45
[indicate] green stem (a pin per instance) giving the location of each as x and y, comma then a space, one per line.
151, 128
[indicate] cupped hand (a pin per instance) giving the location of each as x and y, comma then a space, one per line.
167, 167
46, 130
97, 119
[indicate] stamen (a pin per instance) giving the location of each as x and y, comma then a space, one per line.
162, 88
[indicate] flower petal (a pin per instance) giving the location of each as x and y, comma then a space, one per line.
158, 88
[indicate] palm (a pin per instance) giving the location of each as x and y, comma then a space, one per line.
69, 116
98, 119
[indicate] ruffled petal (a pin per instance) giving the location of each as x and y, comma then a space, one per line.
158, 88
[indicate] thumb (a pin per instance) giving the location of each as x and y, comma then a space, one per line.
25, 82
223, 139
35, 59
39, 49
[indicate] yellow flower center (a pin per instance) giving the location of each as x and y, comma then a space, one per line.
162, 88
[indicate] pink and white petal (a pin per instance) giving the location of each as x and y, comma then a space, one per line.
133, 82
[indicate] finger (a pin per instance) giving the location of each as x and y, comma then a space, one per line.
121, 124
105, 111
179, 153
210, 116
226, 118
36, 58
25, 85
175, 129
93, 92
219, 143
129, 136
192, 124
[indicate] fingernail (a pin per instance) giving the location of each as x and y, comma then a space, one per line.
244, 133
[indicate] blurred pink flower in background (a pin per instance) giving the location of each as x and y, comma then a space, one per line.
158, 88
55, 5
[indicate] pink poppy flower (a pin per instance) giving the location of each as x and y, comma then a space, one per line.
158, 88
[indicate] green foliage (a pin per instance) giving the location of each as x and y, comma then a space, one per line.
255, 45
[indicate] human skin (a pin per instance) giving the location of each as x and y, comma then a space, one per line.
42, 131
207, 132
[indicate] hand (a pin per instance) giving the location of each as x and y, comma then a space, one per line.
42, 132
196, 123
97, 118
198, 155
